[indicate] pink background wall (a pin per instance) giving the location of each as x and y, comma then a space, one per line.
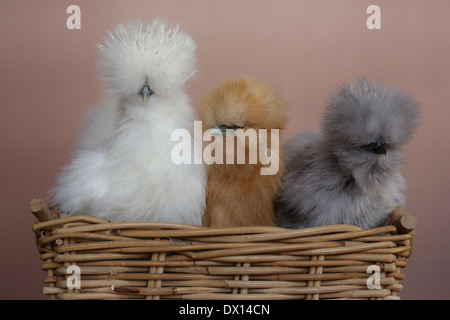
304, 47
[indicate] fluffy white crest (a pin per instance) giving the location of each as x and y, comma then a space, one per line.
134, 53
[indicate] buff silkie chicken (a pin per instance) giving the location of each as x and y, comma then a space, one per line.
243, 114
349, 173
122, 169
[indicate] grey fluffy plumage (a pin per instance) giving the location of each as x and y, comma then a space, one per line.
349, 173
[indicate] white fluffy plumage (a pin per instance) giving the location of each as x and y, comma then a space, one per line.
122, 169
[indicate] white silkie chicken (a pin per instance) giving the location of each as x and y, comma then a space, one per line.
123, 169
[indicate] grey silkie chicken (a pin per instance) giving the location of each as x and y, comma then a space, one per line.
349, 173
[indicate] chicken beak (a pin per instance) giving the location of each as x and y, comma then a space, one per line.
217, 131
378, 146
145, 92
221, 130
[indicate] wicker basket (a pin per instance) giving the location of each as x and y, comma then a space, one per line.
151, 260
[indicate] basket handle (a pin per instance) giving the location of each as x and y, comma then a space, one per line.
404, 222
41, 211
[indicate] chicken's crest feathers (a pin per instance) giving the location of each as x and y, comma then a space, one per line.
358, 113
245, 101
134, 53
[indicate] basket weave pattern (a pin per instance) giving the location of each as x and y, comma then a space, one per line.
151, 260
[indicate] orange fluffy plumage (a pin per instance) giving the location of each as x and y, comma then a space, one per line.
238, 194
